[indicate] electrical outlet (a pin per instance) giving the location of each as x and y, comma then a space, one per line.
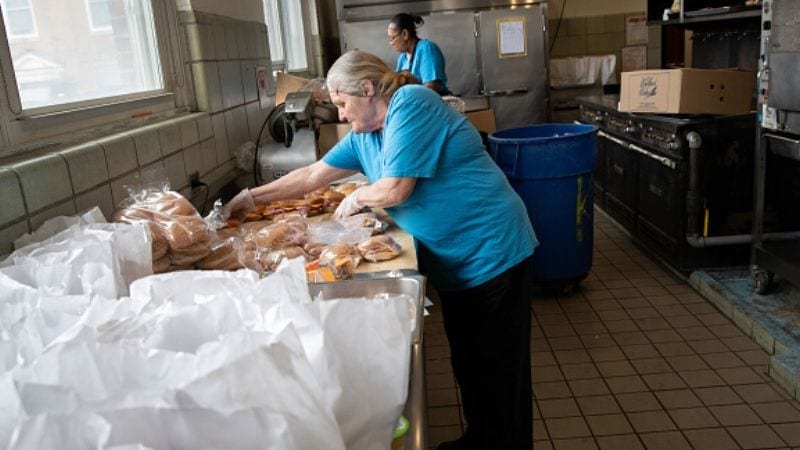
194, 179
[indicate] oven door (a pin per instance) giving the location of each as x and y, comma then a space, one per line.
662, 191
621, 171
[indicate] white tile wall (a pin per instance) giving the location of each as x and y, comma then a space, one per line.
188, 127
100, 196
66, 208
45, 181
148, 145
87, 166
230, 77
176, 170
170, 137
120, 154
220, 138
13, 207
9, 234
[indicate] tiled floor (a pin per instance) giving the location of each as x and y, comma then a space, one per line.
634, 359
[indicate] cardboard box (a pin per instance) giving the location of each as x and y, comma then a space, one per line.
483, 120
286, 83
687, 91
329, 135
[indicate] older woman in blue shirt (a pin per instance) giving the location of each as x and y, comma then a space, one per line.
428, 169
421, 57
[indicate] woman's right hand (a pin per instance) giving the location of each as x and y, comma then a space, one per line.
239, 205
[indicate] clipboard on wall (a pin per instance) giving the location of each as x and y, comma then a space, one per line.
512, 37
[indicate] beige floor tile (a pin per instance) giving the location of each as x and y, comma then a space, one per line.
539, 359
588, 387
691, 418
443, 416
442, 397
758, 393
606, 354
567, 427
643, 313
777, 412
615, 368
723, 360
720, 395
621, 385
713, 318
708, 346
735, 415
663, 381
687, 363
613, 315
667, 349
547, 373
438, 366
726, 330
711, 439
590, 328
638, 351
572, 356
651, 365
694, 333
621, 326
627, 338
579, 371
740, 343
687, 323
561, 407
437, 435
579, 318
638, 401
754, 357
789, 432
701, 308
653, 324
676, 310
619, 442
539, 430
565, 343
701, 378
551, 389
649, 421
659, 336
608, 424
756, 436
680, 398
575, 444
542, 445
665, 440
739, 375
601, 404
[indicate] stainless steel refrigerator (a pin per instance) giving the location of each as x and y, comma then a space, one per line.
492, 48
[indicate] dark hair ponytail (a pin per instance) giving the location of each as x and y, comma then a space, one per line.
408, 22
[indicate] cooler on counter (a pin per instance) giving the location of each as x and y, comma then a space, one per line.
550, 166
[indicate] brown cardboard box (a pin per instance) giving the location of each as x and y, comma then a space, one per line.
329, 135
286, 84
687, 91
483, 120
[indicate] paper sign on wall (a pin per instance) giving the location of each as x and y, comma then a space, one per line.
634, 58
512, 40
262, 82
636, 30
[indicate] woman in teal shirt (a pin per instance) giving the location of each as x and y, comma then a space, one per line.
429, 170
421, 57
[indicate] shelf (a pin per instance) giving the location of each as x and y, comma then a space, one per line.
746, 14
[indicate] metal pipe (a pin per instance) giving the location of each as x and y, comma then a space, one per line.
737, 239
693, 195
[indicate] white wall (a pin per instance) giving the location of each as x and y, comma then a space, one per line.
252, 10
581, 8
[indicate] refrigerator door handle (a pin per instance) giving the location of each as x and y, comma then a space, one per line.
520, 90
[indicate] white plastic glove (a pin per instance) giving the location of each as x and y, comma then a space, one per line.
349, 206
239, 205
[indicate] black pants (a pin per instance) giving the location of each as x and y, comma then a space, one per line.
489, 329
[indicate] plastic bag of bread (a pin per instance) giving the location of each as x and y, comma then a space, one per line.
271, 260
313, 249
278, 236
335, 262
380, 248
184, 231
365, 220
226, 254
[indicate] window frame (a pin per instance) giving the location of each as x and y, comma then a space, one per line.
282, 65
92, 27
24, 130
22, 37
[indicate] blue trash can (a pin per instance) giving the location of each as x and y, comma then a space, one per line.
550, 166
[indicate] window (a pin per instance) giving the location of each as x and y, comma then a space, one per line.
125, 63
19, 19
288, 44
99, 12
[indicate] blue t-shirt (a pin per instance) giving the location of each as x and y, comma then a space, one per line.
427, 64
468, 222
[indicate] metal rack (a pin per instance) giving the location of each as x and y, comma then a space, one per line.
778, 138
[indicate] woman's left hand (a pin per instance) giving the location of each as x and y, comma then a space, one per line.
349, 206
